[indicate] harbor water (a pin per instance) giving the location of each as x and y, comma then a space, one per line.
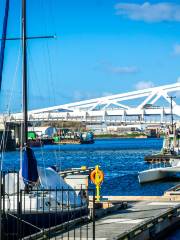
120, 159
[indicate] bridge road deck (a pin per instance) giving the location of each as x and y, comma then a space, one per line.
116, 225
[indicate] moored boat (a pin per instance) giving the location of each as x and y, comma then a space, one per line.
34, 197
159, 173
87, 138
66, 136
170, 149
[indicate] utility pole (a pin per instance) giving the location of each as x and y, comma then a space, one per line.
172, 117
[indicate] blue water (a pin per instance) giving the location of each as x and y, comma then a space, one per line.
120, 159
175, 235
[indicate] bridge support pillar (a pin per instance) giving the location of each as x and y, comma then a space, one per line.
16, 131
162, 116
123, 117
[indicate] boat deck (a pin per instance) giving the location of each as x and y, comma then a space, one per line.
145, 217
160, 158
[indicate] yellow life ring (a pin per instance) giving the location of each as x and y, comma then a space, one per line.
97, 176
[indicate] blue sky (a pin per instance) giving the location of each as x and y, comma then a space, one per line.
102, 47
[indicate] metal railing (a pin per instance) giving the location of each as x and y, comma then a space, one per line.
44, 213
151, 226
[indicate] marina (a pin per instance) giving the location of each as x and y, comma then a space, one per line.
78, 159
118, 184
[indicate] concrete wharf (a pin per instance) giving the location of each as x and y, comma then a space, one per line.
141, 220
75, 171
146, 217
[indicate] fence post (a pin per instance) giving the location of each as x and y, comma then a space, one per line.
93, 214
0, 204
20, 214
18, 207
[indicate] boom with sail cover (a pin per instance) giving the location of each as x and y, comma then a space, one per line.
29, 167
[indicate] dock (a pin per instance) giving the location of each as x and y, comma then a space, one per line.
143, 219
75, 171
127, 217
68, 141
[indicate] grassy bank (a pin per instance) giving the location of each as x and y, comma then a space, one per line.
128, 135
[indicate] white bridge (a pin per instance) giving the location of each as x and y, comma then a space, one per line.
146, 105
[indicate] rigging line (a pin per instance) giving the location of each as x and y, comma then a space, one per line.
3, 43
20, 145
49, 61
48, 84
3, 140
56, 46
2, 144
33, 66
50, 73
44, 166
42, 151
56, 158
14, 79
7, 91
2, 148
59, 151
53, 23
30, 58
4, 137
52, 18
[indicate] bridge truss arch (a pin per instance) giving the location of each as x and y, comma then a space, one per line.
151, 103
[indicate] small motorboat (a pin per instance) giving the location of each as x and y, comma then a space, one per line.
159, 173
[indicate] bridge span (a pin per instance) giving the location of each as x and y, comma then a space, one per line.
148, 105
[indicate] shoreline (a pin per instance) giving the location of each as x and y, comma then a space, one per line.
124, 137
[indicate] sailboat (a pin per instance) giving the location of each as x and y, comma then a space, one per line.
35, 192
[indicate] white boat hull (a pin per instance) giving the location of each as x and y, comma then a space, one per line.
153, 175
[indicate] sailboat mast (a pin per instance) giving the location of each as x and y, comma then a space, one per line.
24, 74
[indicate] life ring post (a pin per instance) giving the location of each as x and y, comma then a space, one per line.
97, 177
